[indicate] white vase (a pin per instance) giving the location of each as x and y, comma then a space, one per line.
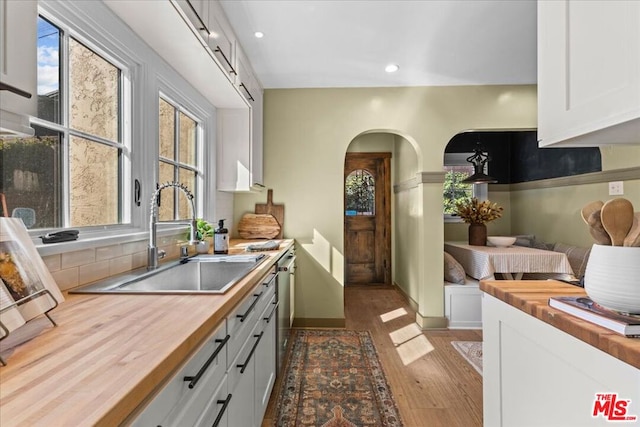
202, 247
612, 277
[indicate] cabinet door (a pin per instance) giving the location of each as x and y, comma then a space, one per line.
234, 149
197, 12
588, 72
241, 377
178, 403
257, 170
266, 360
18, 28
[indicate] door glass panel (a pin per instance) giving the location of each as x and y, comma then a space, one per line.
359, 189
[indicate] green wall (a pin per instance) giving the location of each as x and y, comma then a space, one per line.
306, 135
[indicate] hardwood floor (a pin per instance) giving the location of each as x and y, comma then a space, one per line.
432, 384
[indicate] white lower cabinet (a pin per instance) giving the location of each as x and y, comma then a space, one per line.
537, 375
228, 381
183, 400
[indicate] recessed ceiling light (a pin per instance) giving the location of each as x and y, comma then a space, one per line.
391, 68
259, 34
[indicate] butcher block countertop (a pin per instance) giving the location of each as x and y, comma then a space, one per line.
532, 297
110, 353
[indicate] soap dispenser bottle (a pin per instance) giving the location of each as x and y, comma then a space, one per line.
221, 239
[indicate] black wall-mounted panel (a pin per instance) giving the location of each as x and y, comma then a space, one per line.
515, 156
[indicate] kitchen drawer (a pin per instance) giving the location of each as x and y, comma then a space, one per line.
243, 318
216, 412
269, 288
172, 405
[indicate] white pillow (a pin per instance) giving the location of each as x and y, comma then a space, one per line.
453, 271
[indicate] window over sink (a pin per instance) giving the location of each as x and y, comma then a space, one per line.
71, 173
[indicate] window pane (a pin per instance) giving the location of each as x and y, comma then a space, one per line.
187, 141
48, 71
93, 180
165, 174
188, 178
167, 130
94, 93
454, 190
360, 193
31, 178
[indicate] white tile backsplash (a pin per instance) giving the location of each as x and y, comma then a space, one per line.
76, 268
76, 258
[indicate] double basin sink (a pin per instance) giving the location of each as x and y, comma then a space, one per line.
209, 274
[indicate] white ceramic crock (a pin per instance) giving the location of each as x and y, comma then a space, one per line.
612, 277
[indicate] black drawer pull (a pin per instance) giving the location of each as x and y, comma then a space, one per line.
219, 50
253, 349
275, 306
253, 304
247, 90
269, 281
194, 380
224, 404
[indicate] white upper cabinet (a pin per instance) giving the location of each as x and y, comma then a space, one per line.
588, 73
240, 158
221, 39
18, 98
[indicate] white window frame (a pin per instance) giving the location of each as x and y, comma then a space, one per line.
479, 191
96, 42
197, 114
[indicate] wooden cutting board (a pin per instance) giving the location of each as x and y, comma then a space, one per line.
276, 210
258, 226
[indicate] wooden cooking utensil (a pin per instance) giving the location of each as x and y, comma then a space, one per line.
276, 210
589, 208
617, 218
633, 237
596, 229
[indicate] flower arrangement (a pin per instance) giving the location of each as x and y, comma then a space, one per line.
476, 212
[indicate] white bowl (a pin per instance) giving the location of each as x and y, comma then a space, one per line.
612, 277
501, 241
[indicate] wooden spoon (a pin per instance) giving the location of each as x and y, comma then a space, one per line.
633, 237
590, 208
596, 229
617, 218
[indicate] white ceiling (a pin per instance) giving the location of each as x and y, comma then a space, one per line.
348, 43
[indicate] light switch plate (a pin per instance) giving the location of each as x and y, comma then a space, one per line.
616, 188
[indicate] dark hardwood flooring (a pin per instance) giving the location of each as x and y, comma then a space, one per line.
432, 384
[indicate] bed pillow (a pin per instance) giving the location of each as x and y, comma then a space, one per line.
453, 271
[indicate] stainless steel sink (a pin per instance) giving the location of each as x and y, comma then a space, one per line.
210, 274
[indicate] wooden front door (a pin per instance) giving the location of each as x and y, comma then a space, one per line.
367, 220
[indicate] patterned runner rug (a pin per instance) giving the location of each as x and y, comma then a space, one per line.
333, 378
471, 351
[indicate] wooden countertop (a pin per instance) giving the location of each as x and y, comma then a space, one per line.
110, 353
532, 297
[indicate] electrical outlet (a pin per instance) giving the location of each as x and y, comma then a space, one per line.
616, 188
